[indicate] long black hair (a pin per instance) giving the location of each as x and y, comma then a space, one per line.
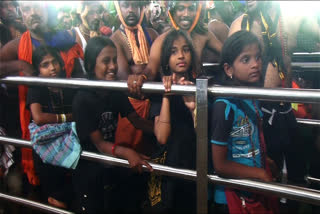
172, 36
233, 47
93, 49
40, 52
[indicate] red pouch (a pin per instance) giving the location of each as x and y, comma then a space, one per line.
257, 204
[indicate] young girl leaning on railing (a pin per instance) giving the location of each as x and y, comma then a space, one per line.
236, 135
53, 137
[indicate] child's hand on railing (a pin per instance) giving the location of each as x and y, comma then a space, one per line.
136, 160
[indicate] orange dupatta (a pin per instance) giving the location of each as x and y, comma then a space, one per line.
25, 54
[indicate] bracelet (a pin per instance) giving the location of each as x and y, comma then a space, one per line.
144, 77
57, 118
113, 148
164, 121
63, 118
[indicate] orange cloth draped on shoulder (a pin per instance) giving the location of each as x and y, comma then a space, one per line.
25, 53
69, 57
140, 55
126, 133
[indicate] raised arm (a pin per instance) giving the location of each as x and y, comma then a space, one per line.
162, 123
123, 66
214, 43
153, 66
235, 26
9, 63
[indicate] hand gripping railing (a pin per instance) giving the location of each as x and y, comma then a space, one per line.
201, 90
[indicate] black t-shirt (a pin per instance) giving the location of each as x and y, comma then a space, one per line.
220, 131
93, 111
181, 145
59, 102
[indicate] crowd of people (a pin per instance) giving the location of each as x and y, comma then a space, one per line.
137, 42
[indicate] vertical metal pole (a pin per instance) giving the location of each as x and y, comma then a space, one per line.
202, 145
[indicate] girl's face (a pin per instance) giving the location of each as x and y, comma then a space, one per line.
49, 67
247, 66
106, 64
180, 59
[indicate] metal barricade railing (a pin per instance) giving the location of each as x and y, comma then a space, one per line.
291, 192
201, 91
33, 204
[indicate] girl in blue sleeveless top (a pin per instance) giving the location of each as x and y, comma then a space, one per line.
238, 149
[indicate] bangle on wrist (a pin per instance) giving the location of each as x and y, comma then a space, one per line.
113, 149
164, 121
63, 118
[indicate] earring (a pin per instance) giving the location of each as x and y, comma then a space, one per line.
231, 76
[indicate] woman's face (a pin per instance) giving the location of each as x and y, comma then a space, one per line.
106, 64
49, 67
180, 59
247, 66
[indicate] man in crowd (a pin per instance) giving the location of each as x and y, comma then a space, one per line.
157, 17
64, 19
132, 36
91, 15
11, 24
220, 16
133, 43
186, 16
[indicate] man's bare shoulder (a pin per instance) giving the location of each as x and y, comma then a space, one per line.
216, 25
153, 34
10, 50
161, 37
236, 25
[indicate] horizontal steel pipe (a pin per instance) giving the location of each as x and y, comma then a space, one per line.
33, 204
310, 65
306, 54
308, 122
287, 95
280, 190
290, 192
154, 87
310, 179
270, 94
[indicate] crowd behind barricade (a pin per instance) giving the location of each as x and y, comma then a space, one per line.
137, 42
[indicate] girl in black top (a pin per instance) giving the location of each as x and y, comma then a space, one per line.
50, 105
96, 115
174, 127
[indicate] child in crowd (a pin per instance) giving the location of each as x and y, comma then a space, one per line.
96, 115
237, 141
48, 106
174, 128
